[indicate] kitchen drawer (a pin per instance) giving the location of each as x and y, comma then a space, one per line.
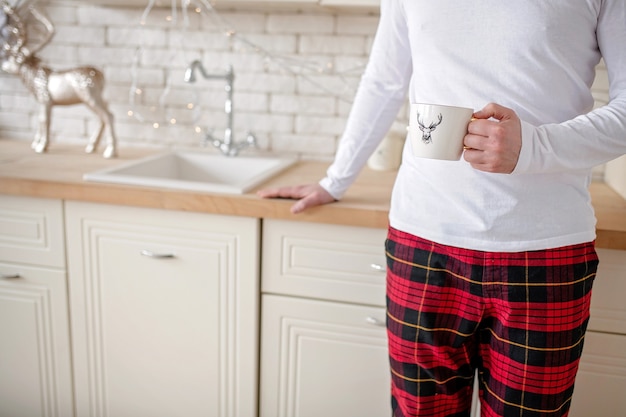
599, 389
340, 263
31, 231
608, 310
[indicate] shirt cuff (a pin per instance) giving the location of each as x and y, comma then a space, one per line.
333, 188
524, 161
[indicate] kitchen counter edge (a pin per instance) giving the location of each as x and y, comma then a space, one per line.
58, 174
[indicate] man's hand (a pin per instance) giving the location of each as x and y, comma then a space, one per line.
494, 139
308, 195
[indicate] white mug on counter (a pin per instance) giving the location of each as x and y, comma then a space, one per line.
437, 131
388, 154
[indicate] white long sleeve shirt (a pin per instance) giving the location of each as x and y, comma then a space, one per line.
537, 57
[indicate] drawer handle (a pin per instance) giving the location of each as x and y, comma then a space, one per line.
11, 276
154, 255
378, 267
374, 321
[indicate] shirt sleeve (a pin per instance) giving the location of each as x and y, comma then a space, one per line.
379, 97
598, 136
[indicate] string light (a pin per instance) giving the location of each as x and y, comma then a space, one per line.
298, 67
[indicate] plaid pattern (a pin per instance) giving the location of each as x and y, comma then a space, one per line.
519, 318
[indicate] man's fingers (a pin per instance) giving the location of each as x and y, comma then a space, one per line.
280, 192
303, 204
496, 111
493, 141
308, 195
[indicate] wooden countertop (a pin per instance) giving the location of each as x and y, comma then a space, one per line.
58, 174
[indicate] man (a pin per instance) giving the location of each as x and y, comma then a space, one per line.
490, 259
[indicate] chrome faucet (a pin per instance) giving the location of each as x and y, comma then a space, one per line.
228, 146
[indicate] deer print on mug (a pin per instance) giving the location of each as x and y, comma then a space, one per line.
428, 130
430, 137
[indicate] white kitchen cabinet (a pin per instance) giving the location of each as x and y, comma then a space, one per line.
330, 262
321, 286
601, 379
324, 344
35, 364
608, 309
164, 312
321, 358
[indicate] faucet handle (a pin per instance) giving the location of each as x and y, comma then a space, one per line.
209, 138
250, 142
251, 139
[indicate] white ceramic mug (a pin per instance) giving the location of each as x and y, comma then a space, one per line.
437, 131
388, 154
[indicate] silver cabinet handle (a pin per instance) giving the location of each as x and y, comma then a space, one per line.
150, 254
378, 267
11, 276
374, 321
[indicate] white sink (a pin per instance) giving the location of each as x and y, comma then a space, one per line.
195, 171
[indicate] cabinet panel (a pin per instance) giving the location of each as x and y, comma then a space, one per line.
608, 309
331, 262
35, 367
164, 312
31, 231
323, 359
601, 378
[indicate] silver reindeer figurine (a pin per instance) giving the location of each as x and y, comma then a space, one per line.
51, 88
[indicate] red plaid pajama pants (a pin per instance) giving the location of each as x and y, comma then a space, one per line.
519, 318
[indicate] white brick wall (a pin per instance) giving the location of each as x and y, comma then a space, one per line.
285, 89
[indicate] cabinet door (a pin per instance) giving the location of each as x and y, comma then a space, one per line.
323, 358
601, 378
164, 312
35, 367
608, 310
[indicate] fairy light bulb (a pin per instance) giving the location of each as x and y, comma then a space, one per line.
303, 68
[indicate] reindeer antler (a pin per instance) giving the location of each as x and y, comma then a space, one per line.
12, 32
437, 123
15, 38
48, 26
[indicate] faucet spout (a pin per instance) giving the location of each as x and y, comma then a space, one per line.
227, 146
196, 65
190, 74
